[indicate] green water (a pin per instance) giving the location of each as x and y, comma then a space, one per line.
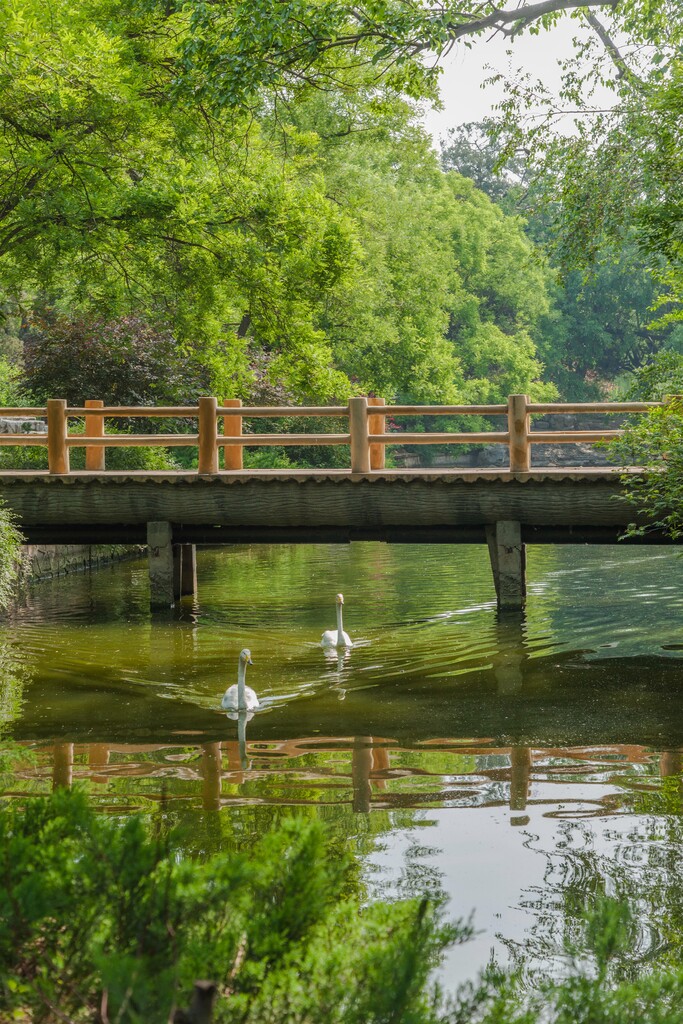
512, 765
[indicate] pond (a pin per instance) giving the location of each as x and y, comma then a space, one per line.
513, 766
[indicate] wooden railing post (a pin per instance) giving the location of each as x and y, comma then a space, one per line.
57, 430
232, 427
358, 429
94, 427
376, 425
518, 426
208, 435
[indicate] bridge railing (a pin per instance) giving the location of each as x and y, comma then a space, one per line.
367, 435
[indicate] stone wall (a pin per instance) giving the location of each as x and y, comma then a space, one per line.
45, 561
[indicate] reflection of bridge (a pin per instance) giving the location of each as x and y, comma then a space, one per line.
172, 512
225, 773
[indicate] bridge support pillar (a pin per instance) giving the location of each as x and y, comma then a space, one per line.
184, 570
160, 561
508, 562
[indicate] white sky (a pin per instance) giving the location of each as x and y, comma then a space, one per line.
465, 71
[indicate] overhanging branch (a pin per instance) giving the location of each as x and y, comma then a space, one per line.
520, 17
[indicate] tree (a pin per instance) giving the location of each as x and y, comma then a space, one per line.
117, 196
239, 49
601, 323
123, 362
318, 239
447, 291
616, 177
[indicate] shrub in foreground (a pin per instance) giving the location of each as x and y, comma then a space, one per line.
97, 914
103, 921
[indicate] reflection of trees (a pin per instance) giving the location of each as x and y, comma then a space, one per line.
641, 868
13, 676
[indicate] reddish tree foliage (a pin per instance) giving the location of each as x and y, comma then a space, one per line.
126, 361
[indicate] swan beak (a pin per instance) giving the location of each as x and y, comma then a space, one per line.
249, 661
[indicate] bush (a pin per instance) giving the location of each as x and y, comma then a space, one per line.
654, 441
10, 548
94, 913
103, 920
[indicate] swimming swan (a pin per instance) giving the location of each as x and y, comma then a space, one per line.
337, 637
241, 697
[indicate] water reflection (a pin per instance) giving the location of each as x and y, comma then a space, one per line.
516, 765
362, 773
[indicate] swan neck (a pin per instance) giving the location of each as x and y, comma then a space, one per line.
241, 686
340, 625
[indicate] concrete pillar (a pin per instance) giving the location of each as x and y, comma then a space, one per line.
508, 562
184, 570
160, 561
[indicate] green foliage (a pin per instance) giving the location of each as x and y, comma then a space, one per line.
654, 441
660, 377
92, 909
316, 238
448, 289
617, 175
12, 392
600, 322
10, 548
596, 985
243, 49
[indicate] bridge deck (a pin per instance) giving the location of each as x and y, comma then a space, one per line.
330, 505
239, 476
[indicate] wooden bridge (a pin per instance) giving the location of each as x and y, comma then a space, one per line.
172, 512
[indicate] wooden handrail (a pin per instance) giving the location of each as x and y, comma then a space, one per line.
278, 411
261, 440
367, 435
57, 430
192, 411
94, 426
127, 440
402, 437
32, 412
572, 437
135, 411
518, 428
445, 410
610, 408
377, 424
208, 448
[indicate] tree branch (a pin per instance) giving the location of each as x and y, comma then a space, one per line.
623, 70
521, 16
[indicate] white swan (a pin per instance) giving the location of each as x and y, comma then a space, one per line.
337, 637
241, 697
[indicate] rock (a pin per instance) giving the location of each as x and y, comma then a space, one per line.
22, 426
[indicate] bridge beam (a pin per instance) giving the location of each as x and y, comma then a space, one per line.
508, 562
160, 562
